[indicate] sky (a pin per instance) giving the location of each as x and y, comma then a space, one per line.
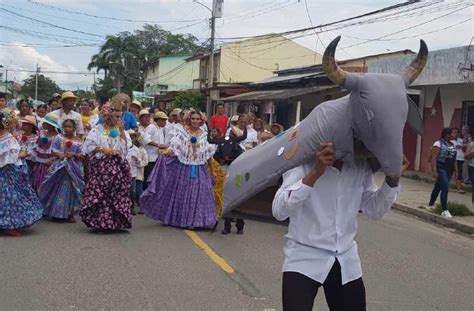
27, 36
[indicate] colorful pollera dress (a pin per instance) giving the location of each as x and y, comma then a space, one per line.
42, 153
28, 144
107, 203
61, 190
19, 204
181, 192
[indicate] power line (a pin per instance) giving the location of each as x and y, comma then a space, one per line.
55, 16
270, 9
49, 24
40, 45
38, 34
283, 39
315, 32
409, 37
111, 18
411, 27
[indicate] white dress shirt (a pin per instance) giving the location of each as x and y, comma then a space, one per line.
72, 115
151, 134
323, 218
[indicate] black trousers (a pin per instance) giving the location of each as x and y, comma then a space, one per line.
299, 292
147, 172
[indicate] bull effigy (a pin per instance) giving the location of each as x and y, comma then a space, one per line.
373, 115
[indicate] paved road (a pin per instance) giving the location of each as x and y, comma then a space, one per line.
408, 265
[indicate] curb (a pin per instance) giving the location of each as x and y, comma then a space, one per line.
434, 218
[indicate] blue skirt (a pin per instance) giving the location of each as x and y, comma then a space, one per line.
19, 204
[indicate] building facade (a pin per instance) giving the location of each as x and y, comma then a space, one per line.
170, 74
446, 97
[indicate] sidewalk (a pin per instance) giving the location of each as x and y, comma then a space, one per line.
413, 195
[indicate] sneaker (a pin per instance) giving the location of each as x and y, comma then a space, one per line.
430, 207
446, 214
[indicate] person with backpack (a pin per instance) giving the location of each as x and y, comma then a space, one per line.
443, 165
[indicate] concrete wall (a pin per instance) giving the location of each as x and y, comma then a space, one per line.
256, 59
444, 66
174, 72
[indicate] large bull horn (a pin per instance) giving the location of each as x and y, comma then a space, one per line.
332, 70
416, 67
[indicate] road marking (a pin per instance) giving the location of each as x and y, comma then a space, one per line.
209, 252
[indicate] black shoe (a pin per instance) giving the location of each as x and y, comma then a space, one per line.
225, 231
240, 231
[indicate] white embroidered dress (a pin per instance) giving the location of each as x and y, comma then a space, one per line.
9, 150
99, 137
190, 153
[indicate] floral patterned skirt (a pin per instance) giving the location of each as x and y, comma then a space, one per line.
19, 204
107, 203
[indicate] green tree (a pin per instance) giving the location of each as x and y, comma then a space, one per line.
122, 56
186, 100
46, 87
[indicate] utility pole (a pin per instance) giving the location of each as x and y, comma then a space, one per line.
36, 81
95, 92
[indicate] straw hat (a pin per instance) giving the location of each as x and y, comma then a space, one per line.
161, 115
51, 119
175, 112
137, 103
143, 112
29, 119
67, 95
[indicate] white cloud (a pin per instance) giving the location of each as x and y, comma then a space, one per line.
18, 59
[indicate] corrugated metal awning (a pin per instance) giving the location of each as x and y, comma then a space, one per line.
289, 78
278, 94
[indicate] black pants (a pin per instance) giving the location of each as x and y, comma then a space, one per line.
147, 172
299, 292
228, 223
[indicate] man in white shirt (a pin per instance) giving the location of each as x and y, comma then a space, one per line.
322, 200
68, 100
152, 140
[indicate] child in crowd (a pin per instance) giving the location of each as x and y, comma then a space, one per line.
137, 158
43, 155
27, 139
61, 190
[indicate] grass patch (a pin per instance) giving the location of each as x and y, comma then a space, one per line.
455, 208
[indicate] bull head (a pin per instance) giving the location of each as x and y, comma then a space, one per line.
378, 105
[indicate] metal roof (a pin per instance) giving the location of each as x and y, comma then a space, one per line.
278, 94
288, 78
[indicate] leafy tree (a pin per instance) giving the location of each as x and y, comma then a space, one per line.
186, 100
46, 87
122, 56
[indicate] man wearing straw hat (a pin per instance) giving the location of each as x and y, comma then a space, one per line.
67, 101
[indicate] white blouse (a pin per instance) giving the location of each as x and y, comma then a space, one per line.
98, 137
187, 152
9, 150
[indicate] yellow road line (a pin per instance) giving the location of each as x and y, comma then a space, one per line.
209, 252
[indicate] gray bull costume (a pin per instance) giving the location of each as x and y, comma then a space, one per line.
373, 114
